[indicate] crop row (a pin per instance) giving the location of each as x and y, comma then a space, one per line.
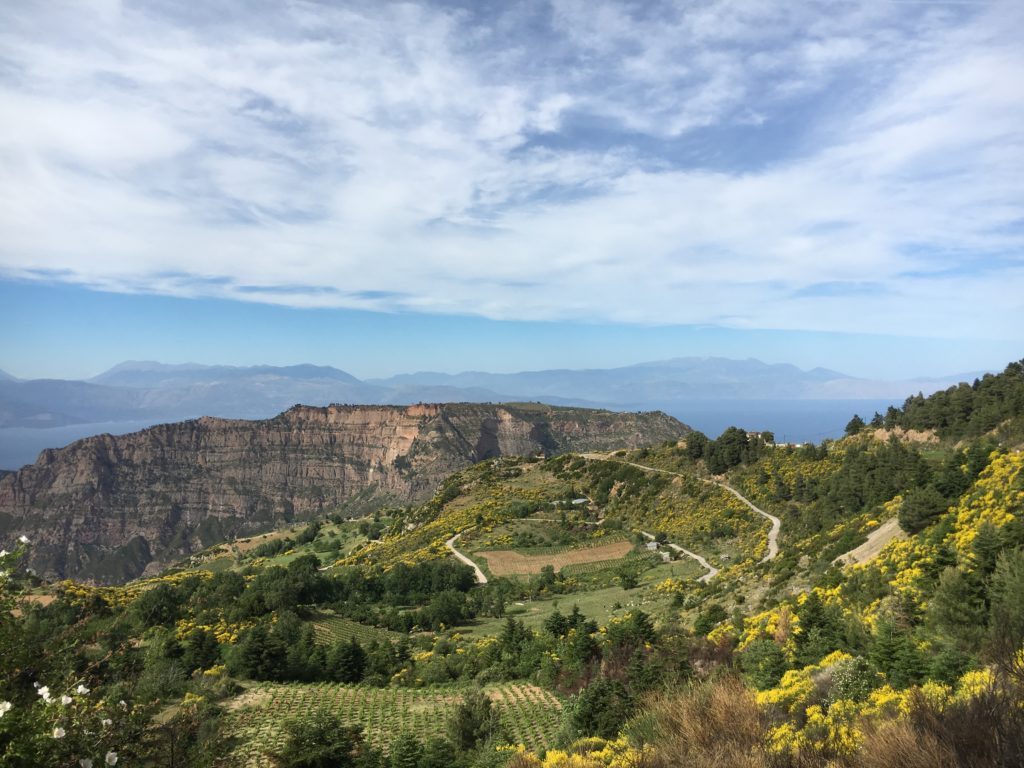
530, 715
331, 629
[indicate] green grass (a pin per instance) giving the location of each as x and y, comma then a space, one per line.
596, 604
330, 629
530, 715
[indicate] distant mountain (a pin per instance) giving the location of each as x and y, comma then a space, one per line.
678, 379
153, 375
154, 392
4, 376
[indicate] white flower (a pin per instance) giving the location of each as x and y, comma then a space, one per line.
65, 700
58, 733
3, 553
85, 762
111, 758
23, 539
81, 690
106, 721
122, 704
45, 693
5, 707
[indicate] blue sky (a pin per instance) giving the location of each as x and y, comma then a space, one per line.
389, 187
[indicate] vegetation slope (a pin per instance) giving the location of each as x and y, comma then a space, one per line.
318, 645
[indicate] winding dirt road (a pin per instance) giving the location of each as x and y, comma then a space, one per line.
480, 577
711, 570
773, 533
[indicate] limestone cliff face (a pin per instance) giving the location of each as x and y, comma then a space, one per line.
109, 508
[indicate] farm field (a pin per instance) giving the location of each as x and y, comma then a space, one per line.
530, 715
512, 563
331, 629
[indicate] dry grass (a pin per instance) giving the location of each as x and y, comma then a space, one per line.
711, 725
507, 562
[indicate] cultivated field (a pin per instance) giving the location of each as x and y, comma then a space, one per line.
330, 629
508, 562
529, 714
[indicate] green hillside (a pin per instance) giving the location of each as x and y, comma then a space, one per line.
727, 602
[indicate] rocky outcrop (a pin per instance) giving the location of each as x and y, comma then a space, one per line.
108, 509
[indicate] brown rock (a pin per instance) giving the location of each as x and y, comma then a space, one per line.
108, 509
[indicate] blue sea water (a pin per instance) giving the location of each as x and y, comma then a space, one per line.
792, 421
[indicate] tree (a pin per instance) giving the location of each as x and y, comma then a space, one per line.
347, 662
200, 650
601, 709
855, 425
406, 752
696, 445
1006, 633
920, 508
473, 722
764, 662
438, 753
708, 618
956, 608
321, 740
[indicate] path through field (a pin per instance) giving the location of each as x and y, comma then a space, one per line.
481, 578
712, 571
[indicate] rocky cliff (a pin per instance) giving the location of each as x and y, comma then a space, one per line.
109, 508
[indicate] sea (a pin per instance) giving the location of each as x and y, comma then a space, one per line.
792, 421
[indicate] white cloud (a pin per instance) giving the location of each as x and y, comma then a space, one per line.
408, 157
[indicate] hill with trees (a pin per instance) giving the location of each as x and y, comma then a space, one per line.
318, 645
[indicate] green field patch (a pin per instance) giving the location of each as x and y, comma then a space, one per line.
332, 629
599, 604
530, 715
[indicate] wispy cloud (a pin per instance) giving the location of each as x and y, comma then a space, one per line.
842, 166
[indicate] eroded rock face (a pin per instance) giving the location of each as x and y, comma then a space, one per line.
108, 509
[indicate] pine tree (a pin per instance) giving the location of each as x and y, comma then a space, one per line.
406, 752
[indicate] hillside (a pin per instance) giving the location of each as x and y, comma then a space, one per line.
626, 609
111, 508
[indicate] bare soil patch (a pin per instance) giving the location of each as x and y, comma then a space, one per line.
877, 539
506, 562
910, 435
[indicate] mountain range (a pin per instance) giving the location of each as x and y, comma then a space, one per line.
156, 392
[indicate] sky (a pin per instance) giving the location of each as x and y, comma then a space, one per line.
391, 187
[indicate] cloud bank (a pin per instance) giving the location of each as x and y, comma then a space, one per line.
841, 167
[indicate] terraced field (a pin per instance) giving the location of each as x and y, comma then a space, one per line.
330, 629
530, 714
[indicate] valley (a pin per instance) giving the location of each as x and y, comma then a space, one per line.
538, 601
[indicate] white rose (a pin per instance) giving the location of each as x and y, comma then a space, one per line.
5, 707
23, 539
106, 721
58, 733
85, 762
45, 693
81, 690
3, 553
111, 758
